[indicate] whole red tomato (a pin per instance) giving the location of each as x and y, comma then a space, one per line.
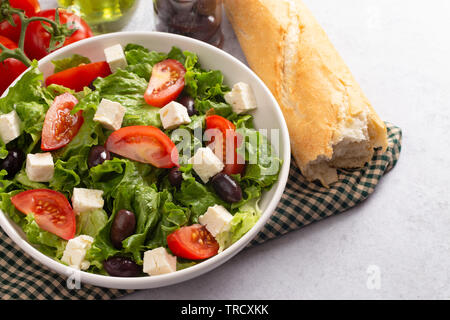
37, 39
11, 68
31, 7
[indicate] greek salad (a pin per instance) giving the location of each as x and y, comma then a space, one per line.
142, 164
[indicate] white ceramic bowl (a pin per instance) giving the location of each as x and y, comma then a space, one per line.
267, 116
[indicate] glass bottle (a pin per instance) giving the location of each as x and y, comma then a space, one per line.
199, 19
102, 15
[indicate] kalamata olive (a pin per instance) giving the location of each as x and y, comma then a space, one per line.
13, 162
227, 189
189, 103
122, 267
98, 155
175, 177
123, 226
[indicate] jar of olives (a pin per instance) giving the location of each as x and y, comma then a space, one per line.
199, 19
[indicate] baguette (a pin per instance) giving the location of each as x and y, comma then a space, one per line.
331, 122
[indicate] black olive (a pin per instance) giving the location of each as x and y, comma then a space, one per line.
123, 226
122, 267
91, 86
189, 103
13, 162
98, 155
175, 177
227, 189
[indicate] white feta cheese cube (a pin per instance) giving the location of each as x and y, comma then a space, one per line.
241, 98
110, 114
9, 126
206, 164
173, 115
75, 252
216, 219
115, 57
86, 200
159, 261
39, 167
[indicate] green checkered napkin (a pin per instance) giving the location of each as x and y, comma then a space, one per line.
302, 203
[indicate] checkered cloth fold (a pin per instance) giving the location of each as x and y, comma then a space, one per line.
302, 203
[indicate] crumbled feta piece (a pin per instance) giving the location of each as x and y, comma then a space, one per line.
110, 114
216, 219
173, 115
9, 126
241, 98
159, 261
115, 57
75, 252
206, 164
86, 200
39, 167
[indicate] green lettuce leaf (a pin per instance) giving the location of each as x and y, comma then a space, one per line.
196, 196
31, 101
47, 242
141, 60
242, 222
263, 163
128, 89
70, 62
127, 185
91, 222
173, 217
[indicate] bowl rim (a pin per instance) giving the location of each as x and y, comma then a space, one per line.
190, 272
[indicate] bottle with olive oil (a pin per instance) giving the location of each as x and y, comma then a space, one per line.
102, 15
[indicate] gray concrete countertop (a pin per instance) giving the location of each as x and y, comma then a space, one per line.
396, 245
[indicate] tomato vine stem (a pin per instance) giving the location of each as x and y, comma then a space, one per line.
59, 32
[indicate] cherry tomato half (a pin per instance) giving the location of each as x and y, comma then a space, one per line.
166, 83
192, 242
31, 7
11, 68
234, 163
145, 144
37, 39
77, 78
52, 211
60, 127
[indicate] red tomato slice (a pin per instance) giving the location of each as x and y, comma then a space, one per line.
234, 164
31, 7
192, 242
166, 83
60, 127
52, 211
77, 78
11, 68
145, 144
37, 39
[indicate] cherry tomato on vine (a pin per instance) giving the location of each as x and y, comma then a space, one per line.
11, 68
37, 39
31, 7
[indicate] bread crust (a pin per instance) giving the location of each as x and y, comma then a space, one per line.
288, 49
